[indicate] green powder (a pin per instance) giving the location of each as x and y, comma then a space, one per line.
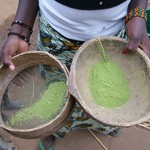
108, 85
107, 82
46, 108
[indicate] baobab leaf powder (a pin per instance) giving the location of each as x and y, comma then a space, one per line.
107, 82
108, 85
46, 108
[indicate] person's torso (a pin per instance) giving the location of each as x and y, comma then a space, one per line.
83, 24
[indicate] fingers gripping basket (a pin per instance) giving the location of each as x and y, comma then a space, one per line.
136, 68
23, 61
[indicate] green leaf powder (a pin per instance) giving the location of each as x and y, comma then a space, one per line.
107, 82
108, 85
47, 107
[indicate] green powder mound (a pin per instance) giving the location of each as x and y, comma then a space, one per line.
108, 85
47, 107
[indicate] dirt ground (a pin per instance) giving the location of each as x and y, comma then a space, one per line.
133, 138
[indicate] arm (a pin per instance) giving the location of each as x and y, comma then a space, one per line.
26, 12
136, 29
138, 3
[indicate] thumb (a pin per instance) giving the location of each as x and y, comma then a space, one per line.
132, 45
11, 66
6, 58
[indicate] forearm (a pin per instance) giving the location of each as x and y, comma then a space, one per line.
138, 3
135, 25
136, 9
26, 12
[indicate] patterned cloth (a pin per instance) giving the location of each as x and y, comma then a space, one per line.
64, 49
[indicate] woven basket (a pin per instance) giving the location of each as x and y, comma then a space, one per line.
21, 62
136, 68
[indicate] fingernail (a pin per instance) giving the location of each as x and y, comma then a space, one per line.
124, 51
12, 67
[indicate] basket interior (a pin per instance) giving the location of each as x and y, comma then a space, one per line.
136, 70
24, 87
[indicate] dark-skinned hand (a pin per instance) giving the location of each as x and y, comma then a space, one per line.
13, 46
137, 35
